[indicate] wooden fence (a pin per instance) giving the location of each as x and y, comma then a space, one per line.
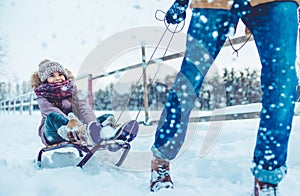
21, 103
27, 102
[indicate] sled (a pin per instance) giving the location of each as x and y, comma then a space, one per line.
87, 152
129, 132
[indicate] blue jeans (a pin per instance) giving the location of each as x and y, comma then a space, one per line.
274, 27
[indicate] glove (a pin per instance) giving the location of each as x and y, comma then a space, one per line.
177, 13
63, 132
74, 131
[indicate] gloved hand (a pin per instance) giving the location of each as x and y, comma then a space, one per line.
74, 131
177, 13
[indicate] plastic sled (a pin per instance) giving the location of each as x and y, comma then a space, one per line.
129, 132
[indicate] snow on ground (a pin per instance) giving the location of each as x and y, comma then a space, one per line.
224, 170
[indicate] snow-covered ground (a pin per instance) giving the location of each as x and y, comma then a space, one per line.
224, 170
67, 31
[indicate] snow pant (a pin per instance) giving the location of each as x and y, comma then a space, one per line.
52, 123
55, 120
274, 27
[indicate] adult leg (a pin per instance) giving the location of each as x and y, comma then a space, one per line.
206, 35
274, 27
53, 122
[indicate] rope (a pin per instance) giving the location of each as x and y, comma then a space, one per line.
151, 57
237, 50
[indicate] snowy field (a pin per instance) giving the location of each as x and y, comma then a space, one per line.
224, 170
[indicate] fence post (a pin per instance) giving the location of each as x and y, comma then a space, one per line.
30, 104
90, 90
145, 84
14, 105
21, 105
4, 106
9, 105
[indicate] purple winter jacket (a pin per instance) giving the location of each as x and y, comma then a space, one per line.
86, 114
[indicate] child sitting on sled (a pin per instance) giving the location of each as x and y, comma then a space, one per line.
66, 116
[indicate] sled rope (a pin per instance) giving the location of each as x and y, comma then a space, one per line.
135, 87
166, 24
151, 57
237, 50
156, 72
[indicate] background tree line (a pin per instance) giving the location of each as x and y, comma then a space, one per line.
7, 88
232, 88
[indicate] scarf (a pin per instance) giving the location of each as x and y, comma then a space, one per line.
56, 91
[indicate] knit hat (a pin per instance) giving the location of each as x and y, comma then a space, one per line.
47, 67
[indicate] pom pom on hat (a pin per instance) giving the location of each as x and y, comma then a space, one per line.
47, 67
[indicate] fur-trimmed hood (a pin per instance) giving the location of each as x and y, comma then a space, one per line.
36, 81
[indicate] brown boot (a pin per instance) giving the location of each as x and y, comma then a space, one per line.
160, 175
265, 189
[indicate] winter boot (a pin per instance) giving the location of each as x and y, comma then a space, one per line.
107, 119
160, 175
265, 189
108, 130
97, 133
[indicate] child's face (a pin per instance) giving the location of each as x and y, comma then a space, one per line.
56, 77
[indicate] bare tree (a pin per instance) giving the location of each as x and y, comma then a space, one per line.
3, 85
1, 57
26, 87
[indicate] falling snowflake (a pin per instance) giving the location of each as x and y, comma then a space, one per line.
203, 19
215, 34
64, 88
